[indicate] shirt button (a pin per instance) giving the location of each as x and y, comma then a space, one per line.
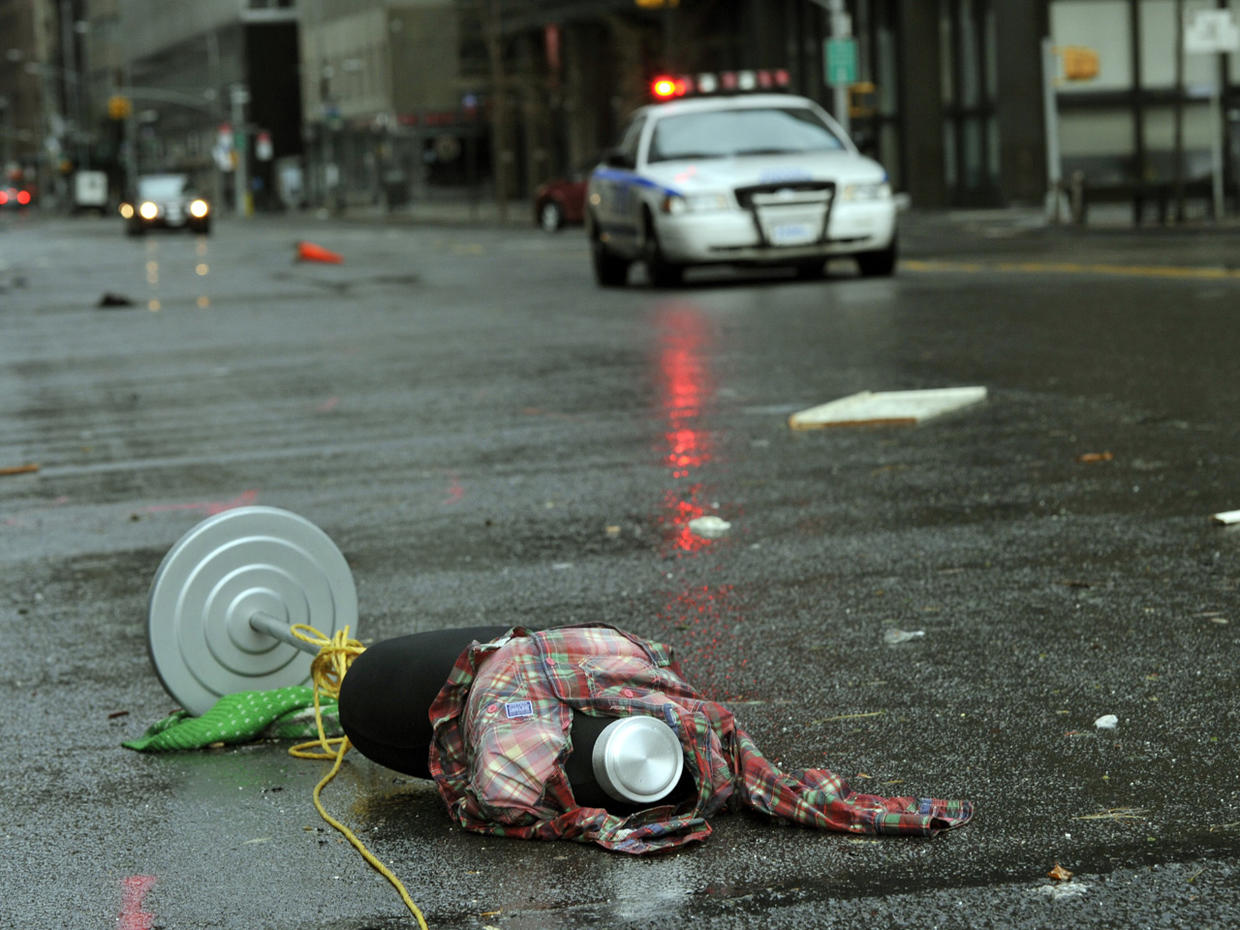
492, 708
628, 692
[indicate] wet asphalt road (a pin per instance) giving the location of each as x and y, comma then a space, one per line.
490, 439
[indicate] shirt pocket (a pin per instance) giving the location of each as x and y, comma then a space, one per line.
618, 681
512, 763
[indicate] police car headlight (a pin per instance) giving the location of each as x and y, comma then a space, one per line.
198, 208
693, 203
148, 210
879, 190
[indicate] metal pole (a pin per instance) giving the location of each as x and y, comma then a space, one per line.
499, 108
241, 194
1054, 177
68, 80
841, 28
1178, 125
280, 629
7, 130
1216, 144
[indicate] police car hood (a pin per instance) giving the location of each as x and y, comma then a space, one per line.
716, 174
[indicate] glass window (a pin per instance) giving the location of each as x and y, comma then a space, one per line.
888, 83
1098, 142
1198, 133
889, 146
992, 56
947, 83
973, 167
949, 154
1158, 36
1234, 65
1104, 26
747, 131
631, 136
162, 186
992, 150
970, 81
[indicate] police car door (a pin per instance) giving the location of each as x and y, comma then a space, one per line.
619, 207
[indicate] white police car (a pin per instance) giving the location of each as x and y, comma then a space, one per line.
764, 179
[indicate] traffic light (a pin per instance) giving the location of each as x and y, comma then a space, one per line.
1079, 63
862, 100
119, 107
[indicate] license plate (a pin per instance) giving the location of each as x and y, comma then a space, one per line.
793, 234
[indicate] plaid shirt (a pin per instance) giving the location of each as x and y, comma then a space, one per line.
502, 735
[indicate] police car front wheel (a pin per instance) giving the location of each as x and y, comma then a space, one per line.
661, 272
880, 263
610, 270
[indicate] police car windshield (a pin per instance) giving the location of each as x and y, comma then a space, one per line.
740, 132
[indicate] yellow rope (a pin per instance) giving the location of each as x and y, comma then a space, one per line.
327, 672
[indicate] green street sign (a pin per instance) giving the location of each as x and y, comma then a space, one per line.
840, 61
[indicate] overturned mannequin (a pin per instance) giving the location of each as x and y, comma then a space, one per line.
586, 733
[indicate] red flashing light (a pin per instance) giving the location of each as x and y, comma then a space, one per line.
664, 87
4, 198
667, 87
23, 197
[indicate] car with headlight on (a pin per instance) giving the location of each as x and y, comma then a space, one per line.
165, 201
767, 178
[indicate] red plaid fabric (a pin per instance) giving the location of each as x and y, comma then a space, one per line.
502, 735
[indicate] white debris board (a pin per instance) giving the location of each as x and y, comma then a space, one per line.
887, 408
1227, 517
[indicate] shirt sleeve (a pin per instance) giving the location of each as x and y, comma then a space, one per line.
819, 798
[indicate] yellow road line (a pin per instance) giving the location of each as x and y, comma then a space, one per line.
1131, 271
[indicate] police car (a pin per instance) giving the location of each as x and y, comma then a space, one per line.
740, 179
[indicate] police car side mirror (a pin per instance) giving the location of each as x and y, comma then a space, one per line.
616, 158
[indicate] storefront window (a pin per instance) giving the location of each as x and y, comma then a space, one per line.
1234, 65
1098, 142
1158, 36
970, 82
1198, 132
1106, 27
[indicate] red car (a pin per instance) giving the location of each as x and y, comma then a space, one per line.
561, 201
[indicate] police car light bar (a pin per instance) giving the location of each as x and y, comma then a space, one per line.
669, 87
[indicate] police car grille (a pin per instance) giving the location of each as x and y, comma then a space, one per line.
779, 194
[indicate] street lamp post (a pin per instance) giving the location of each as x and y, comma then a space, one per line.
6, 131
240, 96
841, 28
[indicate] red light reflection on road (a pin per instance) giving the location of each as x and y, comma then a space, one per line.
685, 385
701, 619
134, 889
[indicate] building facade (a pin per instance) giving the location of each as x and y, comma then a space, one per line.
39, 128
386, 102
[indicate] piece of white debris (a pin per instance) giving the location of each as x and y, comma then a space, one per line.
1068, 889
1107, 722
1226, 517
710, 527
893, 636
887, 408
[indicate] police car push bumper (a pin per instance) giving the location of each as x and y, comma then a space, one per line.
775, 235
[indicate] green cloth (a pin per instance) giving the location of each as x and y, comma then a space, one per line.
283, 713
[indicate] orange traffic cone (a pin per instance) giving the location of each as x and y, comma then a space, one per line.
309, 252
